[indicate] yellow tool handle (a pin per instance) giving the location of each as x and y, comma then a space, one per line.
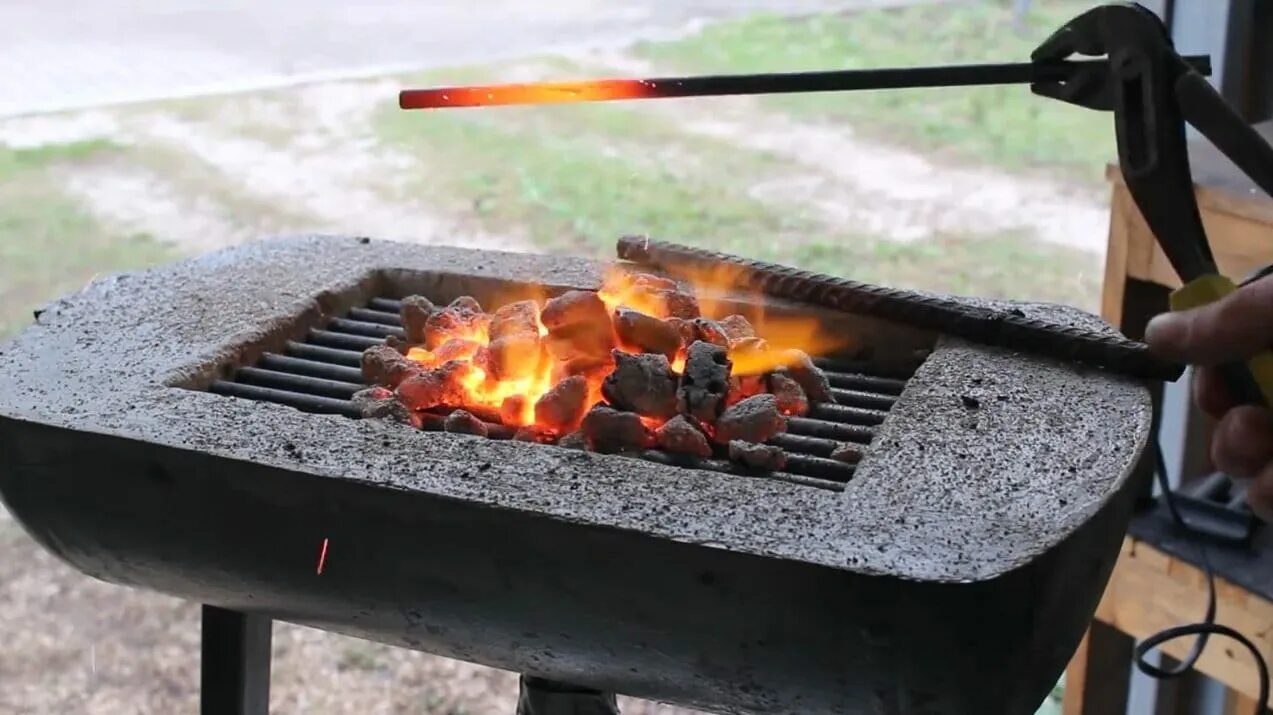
1249, 383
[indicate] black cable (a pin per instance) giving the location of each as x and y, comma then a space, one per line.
1205, 628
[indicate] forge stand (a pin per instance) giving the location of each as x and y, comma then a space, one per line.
982, 497
235, 676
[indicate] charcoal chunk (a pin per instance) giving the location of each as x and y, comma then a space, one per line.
790, 396
799, 366
513, 356
643, 333
455, 349
531, 433
649, 281
379, 403
455, 321
710, 331
578, 324
609, 430
748, 346
482, 359
415, 312
574, 440
464, 422
516, 319
382, 365
850, 453
397, 343
755, 419
441, 385
680, 305
743, 386
704, 383
572, 308
654, 294
685, 328
512, 410
561, 409
736, 328
757, 456
485, 413
678, 436
642, 383
466, 304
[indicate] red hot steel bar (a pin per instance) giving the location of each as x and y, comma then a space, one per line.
770, 83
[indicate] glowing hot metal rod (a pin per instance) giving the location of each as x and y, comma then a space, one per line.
781, 83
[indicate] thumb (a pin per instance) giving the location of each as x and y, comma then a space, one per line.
1232, 328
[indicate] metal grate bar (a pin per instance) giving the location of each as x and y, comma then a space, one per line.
299, 400
313, 368
811, 445
848, 415
344, 341
296, 383
387, 305
368, 315
727, 467
859, 398
830, 430
322, 373
866, 383
307, 351
368, 329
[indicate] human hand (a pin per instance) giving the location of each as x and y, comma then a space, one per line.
1230, 330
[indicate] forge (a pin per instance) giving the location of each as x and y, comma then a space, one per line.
191, 430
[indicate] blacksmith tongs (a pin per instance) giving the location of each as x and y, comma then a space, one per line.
1153, 92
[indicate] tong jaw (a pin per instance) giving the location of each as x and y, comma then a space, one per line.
1139, 85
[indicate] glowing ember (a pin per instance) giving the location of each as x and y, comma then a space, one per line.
322, 557
541, 93
543, 366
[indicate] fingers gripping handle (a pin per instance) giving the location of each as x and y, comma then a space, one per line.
1249, 383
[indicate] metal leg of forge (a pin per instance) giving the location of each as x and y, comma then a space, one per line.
235, 676
547, 697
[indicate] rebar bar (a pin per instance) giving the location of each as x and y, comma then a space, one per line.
1004, 328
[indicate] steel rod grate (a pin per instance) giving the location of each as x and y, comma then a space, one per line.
321, 373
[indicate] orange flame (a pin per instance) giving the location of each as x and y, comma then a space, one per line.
648, 294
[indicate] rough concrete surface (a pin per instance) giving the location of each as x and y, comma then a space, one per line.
948, 493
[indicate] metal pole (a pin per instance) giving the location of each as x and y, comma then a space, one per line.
235, 678
547, 697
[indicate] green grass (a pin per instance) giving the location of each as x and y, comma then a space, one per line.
557, 186
16, 162
1007, 126
574, 181
49, 246
1003, 265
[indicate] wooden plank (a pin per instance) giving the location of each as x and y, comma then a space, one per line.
1254, 207
1241, 244
1115, 281
1128, 225
1150, 591
1236, 703
1098, 677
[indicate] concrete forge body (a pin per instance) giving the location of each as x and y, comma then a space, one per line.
953, 575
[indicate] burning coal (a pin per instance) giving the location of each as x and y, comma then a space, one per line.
634, 365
